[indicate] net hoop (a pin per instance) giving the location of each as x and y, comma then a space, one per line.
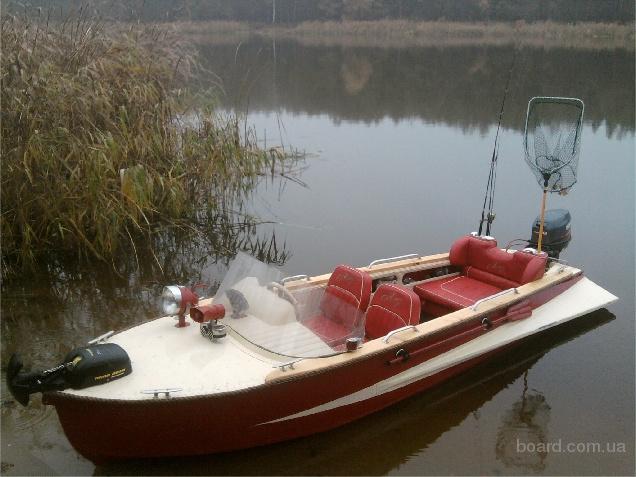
554, 168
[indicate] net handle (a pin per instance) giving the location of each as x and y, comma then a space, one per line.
542, 221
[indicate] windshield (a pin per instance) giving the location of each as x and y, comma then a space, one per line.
303, 322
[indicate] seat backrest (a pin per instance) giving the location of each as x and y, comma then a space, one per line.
347, 296
465, 249
483, 261
392, 307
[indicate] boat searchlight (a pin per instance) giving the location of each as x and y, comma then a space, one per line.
175, 300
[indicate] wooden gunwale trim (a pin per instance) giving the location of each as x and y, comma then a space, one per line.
424, 331
409, 265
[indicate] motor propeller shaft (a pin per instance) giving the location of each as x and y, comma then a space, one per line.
22, 384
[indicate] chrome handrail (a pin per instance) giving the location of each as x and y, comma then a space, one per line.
558, 260
399, 330
496, 295
103, 337
294, 278
393, 259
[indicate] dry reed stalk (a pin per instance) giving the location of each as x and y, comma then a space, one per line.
102, 143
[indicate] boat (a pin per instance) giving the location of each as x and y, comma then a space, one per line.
270, 358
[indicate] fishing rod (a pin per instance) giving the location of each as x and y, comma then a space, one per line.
489, 197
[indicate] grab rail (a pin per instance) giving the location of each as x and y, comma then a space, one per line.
496, 295
392, 259
558, 260
294, 278
399, 330
103, 337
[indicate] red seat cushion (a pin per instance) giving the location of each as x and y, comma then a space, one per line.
465, 249
490, 278
455, 292
328, 330
391, 307
483, 261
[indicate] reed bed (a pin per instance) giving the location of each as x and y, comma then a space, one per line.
103, 145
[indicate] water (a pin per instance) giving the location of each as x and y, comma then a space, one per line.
398, 145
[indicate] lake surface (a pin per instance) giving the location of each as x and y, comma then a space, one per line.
398, 144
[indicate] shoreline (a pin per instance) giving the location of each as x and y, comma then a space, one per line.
403, 33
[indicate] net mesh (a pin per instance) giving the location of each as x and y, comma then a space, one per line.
552, 141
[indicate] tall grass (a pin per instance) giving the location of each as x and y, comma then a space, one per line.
102, 144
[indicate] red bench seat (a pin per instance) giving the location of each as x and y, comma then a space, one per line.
486, 270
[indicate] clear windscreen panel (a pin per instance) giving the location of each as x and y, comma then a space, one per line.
552, 141
303, 323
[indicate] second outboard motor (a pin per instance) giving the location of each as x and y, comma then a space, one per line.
556, 232
81, 368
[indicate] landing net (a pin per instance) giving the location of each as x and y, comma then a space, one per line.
552, 141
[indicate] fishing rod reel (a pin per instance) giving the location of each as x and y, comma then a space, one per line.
81, 368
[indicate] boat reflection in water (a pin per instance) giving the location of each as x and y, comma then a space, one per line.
526, 422
364, 447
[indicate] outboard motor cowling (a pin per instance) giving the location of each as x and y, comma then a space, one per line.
81, 368
556, 231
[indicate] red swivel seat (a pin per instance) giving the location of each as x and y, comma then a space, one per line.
343, 305
392, 307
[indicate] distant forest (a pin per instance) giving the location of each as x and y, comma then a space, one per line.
296, 11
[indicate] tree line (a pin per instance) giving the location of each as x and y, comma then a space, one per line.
296, 11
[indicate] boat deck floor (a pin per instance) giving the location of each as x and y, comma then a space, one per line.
166, 357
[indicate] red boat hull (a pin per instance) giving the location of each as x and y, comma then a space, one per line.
106, 430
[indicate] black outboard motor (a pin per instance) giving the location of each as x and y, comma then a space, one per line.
556, 232
81, 368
